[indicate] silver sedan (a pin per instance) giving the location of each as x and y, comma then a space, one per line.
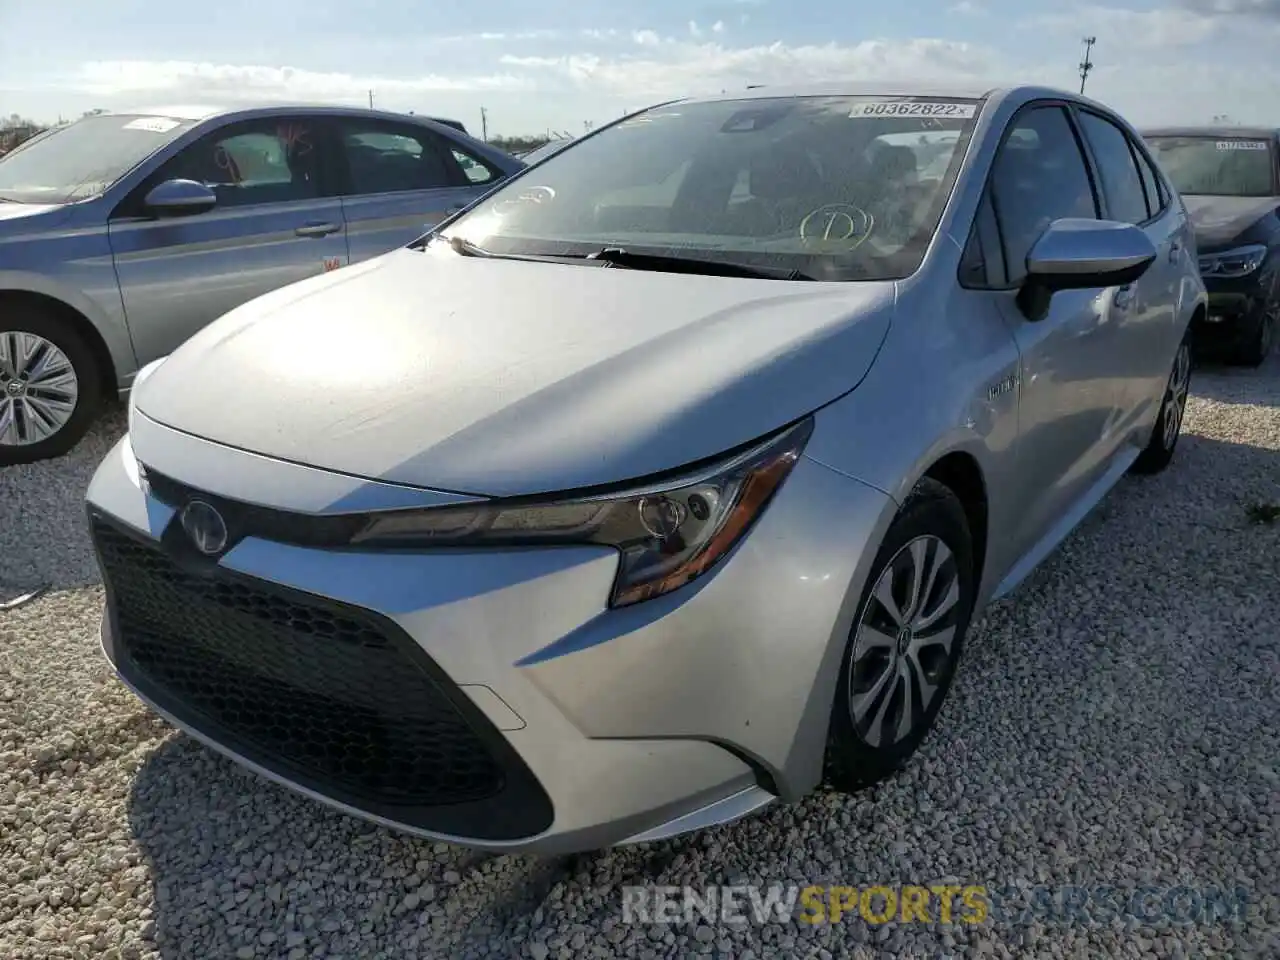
665, 482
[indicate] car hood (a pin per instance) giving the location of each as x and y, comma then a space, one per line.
22, 211
1221, 221
504, 377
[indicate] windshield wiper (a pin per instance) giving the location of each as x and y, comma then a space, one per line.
617, 256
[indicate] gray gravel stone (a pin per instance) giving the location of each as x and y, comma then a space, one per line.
1114, 723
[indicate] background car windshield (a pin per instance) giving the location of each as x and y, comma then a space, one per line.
839, 188
84, 158
1211, 166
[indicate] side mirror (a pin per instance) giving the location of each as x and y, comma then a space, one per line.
1082, 255
179, 198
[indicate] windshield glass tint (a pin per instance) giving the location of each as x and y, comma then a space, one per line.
84, 158
1215, 167
838, 188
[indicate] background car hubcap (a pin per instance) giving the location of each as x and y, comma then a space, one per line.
1175, 402
38, 389
902, 647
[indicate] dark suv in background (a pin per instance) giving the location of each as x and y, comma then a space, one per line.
1229, 178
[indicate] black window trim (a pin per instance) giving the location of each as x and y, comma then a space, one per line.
428, 137
1078, 113
130, 206
988, 197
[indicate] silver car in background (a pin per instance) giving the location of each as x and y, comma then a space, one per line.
123, 234
665, 481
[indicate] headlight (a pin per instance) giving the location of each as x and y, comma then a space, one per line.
668, 534
1239, 262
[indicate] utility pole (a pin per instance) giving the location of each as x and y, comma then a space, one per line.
1086, 65
370, 99
484, 124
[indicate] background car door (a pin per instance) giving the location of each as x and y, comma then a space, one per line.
400, 180
1067, 402
1145, 311
276, 222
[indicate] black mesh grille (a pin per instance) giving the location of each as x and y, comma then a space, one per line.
324, 694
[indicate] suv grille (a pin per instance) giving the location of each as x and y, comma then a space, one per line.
327, 695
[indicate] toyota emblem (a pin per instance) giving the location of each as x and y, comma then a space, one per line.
205, 526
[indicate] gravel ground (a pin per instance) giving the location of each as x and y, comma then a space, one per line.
1114, 723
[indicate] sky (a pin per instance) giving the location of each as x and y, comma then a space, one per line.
556, 65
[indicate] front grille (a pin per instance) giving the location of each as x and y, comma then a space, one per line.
327, 695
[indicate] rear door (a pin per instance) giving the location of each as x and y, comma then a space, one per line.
1066, 392
1145, 312
277, 221
401, 179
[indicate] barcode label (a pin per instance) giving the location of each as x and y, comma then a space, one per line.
959, 110
1242, 144
152, 124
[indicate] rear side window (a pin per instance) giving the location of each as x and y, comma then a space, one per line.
1039, 176
389, 158
1121, 182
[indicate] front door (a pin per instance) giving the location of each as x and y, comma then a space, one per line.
401, 179
1067, 399
275, 223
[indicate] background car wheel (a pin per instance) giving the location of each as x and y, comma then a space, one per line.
1164, 435
50, 386
1256, 345
905, 642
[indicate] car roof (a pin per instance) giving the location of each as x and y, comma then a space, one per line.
1212, 130
200, 112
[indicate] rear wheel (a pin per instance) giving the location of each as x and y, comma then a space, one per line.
906, 641
1158, 452
50, 386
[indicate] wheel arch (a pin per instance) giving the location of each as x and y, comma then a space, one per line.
82, 324
960, 472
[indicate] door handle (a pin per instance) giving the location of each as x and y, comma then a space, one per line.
318, 229
1124, 298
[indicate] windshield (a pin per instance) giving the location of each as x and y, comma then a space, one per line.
83, 159
835, 188
1216, 167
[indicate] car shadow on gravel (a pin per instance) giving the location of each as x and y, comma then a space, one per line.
1094, 736
1226, 383
48, 545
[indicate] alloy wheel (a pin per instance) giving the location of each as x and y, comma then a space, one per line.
903, 644
1175, 396
38, 388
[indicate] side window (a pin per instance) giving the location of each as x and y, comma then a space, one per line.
1157, 197
475, 169
1121, 181
261, 161
392, 159
1039, 176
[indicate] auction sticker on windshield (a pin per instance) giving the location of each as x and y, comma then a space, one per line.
152, 124
907, 108
1242, 144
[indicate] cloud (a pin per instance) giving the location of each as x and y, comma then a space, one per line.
1269, 9
191, 80
967, 9
1147, 29
676, 67
718, 27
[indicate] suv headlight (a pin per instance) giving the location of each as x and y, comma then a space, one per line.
1239, 262
668, 534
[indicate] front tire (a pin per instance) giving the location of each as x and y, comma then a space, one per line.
50, 386
1256, 343
1158, 453
906, 641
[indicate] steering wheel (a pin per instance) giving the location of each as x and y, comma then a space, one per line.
836, 227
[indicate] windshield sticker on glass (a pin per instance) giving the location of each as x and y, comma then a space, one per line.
152, 124
1242, 144
905, 108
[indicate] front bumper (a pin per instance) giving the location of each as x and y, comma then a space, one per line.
491, 698
1234, 305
